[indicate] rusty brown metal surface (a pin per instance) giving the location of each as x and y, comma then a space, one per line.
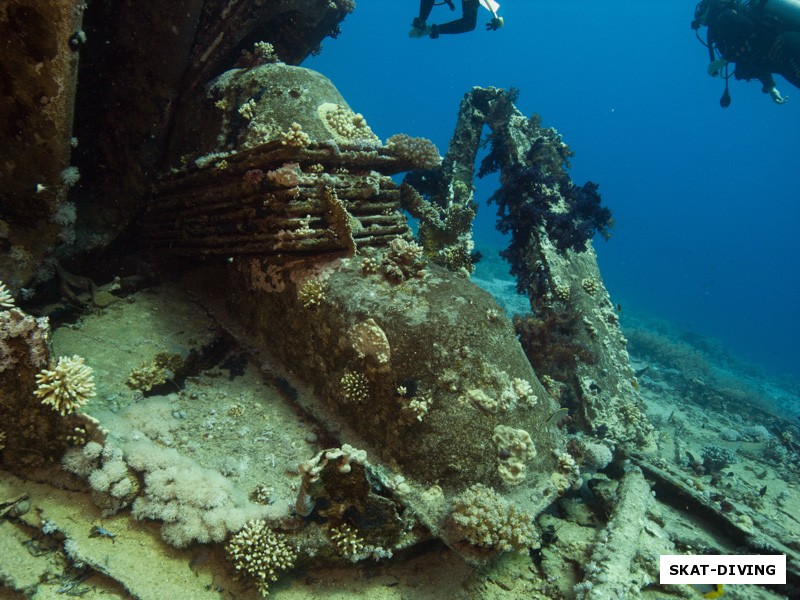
275, 201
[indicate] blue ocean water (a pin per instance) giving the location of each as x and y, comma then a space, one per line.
705, 200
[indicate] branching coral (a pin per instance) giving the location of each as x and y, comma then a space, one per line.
403, 260
354, 387
150, 375
67, 386
590, 286
312, 293
6, 299
485, 519
260, 553
347, 541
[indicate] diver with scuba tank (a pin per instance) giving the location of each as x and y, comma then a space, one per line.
469, 17
760, 37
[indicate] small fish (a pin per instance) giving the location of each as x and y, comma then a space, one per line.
642, 371
619, 307
557, 416
98, 531
763, 491
708, 590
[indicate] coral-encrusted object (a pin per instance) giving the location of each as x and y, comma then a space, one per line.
37, 432
274, 163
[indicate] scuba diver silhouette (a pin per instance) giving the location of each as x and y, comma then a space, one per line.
469, 17
760, 37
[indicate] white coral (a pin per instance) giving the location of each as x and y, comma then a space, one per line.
260, 553
70, 176
66, 387
6, 299
487, 520
347, 541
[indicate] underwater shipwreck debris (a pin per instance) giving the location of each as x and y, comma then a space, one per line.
435, 423
277, 193
219, 212
612, 557
289, 187
36, 113
572, 336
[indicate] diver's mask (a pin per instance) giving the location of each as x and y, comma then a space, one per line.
700, 14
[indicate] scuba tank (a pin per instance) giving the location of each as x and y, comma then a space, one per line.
785, 11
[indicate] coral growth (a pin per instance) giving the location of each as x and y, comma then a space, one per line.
6, 299
344, 124
194, 503
517, 392
295, 137
716, 458
260, 553
341, 223
485, 519
551, 341
354, 387
370, 342
591, 455
403, 261
419, 152
514, 448
445, 227
590, 285
160, 370
17, 328
312, 293
538, 192
67, 386
265, 52
418, 406
288, 175
114, 486
347, 541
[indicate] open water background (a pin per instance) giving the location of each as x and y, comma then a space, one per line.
705, 200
